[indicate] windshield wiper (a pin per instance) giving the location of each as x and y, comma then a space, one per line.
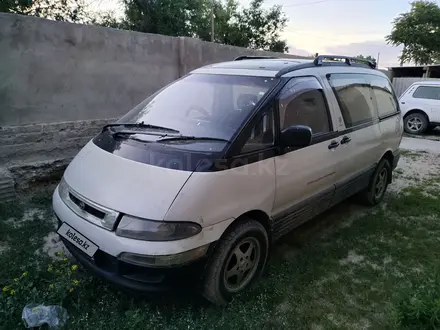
140, 125
191, 138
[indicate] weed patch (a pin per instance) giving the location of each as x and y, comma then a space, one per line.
419, 308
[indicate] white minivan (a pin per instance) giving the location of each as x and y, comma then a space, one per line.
191, 188
420, 106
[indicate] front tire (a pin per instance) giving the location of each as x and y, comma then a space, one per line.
238, 259
378, 185
416, 123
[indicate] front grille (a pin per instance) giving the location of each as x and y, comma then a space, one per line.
87, 208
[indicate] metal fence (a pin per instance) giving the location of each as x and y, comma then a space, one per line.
401, 84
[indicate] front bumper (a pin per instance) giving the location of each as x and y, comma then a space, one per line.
139, 279
114, 245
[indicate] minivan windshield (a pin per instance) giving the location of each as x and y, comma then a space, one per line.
201, 105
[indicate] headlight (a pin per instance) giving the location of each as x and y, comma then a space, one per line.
63, 190
148, 230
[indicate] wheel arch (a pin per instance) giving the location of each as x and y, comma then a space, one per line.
258, 215
389, 156
417, 111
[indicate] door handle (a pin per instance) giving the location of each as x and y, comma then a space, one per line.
334, 144
345, 139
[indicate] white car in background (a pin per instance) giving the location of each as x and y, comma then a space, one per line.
420, 106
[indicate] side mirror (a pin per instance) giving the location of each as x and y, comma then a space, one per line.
296, 136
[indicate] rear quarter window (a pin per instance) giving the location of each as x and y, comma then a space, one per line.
383, 93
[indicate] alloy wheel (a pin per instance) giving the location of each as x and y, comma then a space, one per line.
381, 183
242, 264
414, 124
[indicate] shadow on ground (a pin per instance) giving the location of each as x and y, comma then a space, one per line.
433, 135
285, 249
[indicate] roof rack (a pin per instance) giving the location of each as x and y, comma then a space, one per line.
348, 60
248, 57
319, 61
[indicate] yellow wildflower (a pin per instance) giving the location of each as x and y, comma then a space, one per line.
59, 254
75, 282
74, 267
51, 286
12, 292
71, 290
5, 289
16, 279
50, 269
25, 274
65, 259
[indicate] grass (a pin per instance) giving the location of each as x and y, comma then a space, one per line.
411, 154
340, 271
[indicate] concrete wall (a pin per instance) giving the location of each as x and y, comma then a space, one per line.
54, 72
401, 84
61, 82
195, 53
40, 142
388, 73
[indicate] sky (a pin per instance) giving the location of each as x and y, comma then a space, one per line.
340, 27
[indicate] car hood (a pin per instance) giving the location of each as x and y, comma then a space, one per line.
126, 186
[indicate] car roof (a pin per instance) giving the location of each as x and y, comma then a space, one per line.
261, 64
277, 67
255, 67
426, 82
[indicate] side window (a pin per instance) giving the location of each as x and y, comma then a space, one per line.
384, 95
427, 92
302, 102
355, 98
262, 134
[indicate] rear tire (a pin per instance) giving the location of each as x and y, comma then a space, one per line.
416, 123
237, 261
378, 185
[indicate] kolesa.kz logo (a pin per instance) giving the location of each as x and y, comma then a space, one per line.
76, 239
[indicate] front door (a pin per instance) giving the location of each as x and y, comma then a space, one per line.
305, 178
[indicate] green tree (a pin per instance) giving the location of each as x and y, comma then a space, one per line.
59, 10
418, 31
262, 27
14, 6
252, 27
369, 57
168, 17
108, 19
